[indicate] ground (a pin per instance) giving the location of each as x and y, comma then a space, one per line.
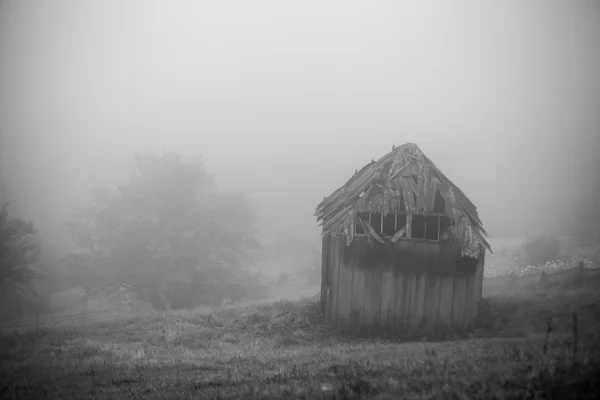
294, 290
283, 350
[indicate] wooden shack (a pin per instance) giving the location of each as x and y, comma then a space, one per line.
403, 249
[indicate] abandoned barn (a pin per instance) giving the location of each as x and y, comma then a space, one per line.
403, 249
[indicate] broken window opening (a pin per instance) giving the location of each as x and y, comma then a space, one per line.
389, 225
416, 226
417, 229
402, 205
432, 227
401, 220
445, 223
439, 204
376, 222
365, 216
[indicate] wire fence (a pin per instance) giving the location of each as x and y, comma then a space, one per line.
515, 281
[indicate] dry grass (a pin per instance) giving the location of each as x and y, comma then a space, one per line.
282, 350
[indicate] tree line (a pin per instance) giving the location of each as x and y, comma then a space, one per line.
168, 231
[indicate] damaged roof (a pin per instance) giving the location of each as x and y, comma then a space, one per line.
402, 181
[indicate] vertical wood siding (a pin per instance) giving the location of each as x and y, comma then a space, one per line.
479, 278
388, 298
445, 307
333, 282
405, 287
344, 295
432, 304
325, 254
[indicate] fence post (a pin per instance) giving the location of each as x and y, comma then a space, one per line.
575, 330
85, 309
543, 279
512, 279
37, 319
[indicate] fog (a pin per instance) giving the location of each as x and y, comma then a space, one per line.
285, 100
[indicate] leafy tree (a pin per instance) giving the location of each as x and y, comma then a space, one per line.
19, 251
169, 232
19, 255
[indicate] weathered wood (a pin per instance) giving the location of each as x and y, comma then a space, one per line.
445, 305
365, 192
344, 295
407, 283
411, 280
333, 286
458, 302
421, 299
408, 286
324, 258
479, 278
432, 303
357, 302
366, 316
417, 302
415, 256
400, 297
328, 298
470, 303
372, 299
388, 298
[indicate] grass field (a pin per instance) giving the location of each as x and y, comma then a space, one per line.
283, 350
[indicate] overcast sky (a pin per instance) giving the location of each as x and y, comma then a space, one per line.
285, 99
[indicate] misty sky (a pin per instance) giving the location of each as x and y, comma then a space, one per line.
285, 99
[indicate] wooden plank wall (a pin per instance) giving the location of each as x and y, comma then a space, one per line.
383, 295
432, 304
479, 278
324, 265
344, 296
388, 298
445, 306
333, 281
